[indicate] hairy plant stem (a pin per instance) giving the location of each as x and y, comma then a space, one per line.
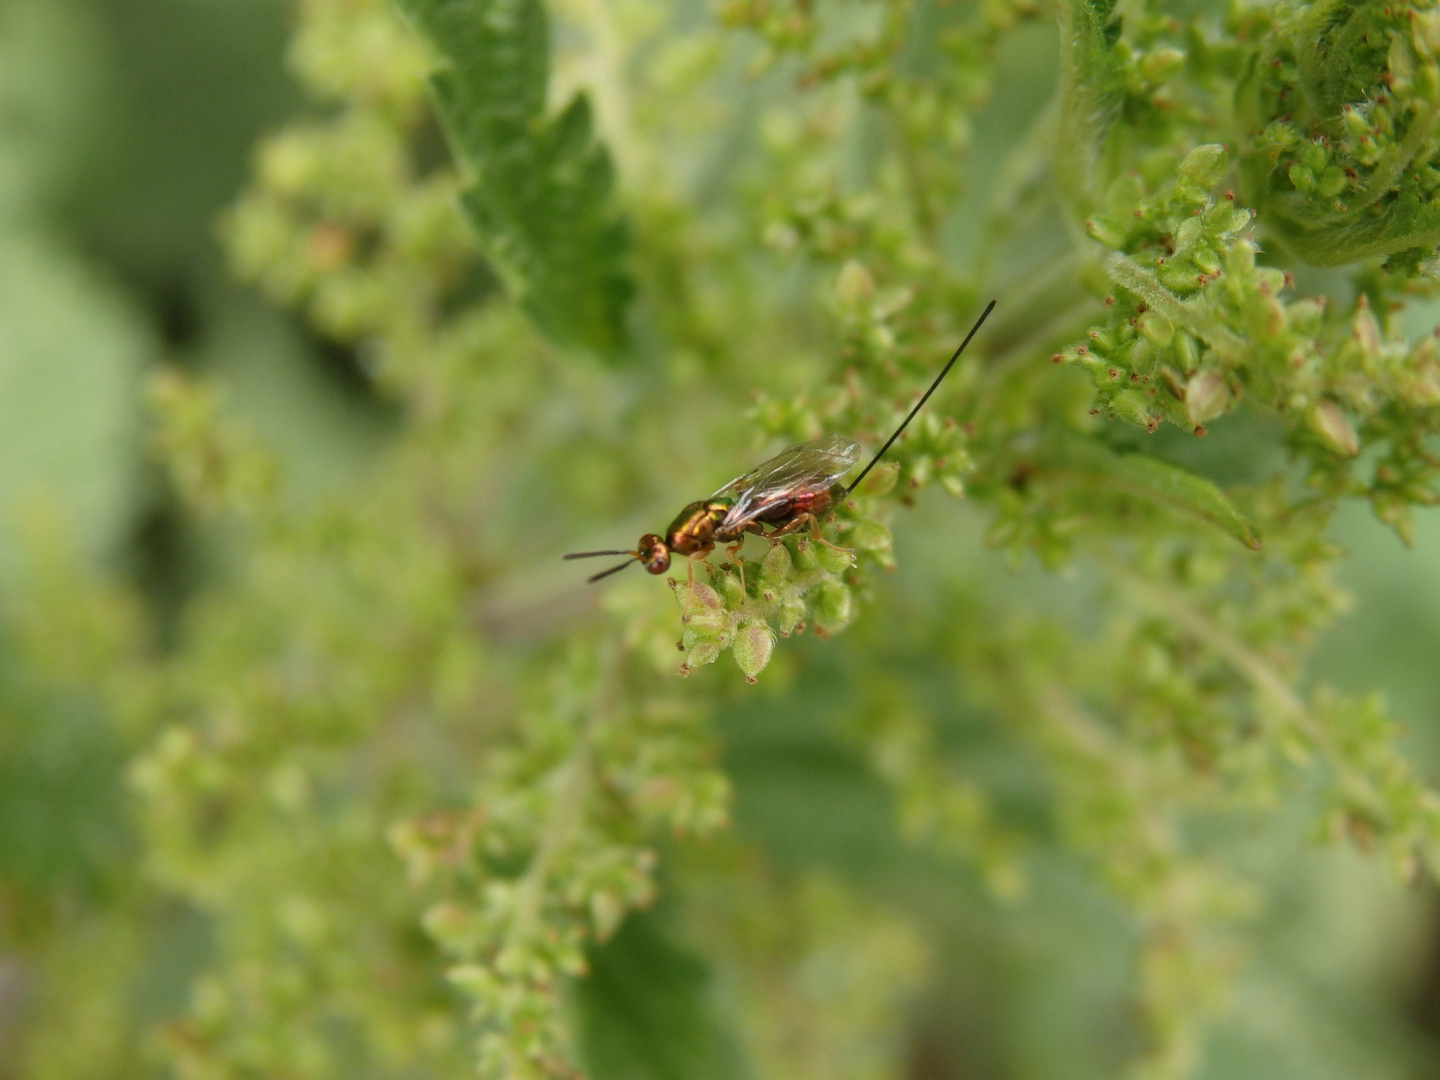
1128, 274
1089, 98
566, 814
1081, 734
1260, 673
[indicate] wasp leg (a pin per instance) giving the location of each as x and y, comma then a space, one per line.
690, 579
732, 551
801, 521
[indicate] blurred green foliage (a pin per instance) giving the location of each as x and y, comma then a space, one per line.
322, 335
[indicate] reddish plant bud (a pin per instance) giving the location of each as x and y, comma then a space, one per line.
1206, 396
1334, 429
1366, 330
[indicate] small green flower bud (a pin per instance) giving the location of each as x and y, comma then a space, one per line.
1161, 65
1207, 261
792, 609
731, 589
1206, 396
287, 164
1401, 65
1395, 512
704, 652
881, 479
477, 980
1305, 315
805, 557
854, 283
1239, 220
1188, 234
1355, 123
1156, 328
701, 596
871, 536
1425, 32
1421, 388
1427, 82
891, 302
833, 605
1268, 277
1301, 177
1186, 352
606, 912
1178, 277
1264, 314
777, 565
1366, 331
706, 610
833, 560
1204, 165
1122, 195
1331, 182
1102, 342
1327, 421
1240, 260
1107, 232
752, 649
1134, 406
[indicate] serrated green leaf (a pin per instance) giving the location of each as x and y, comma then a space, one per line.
71, 357
645, 1013
499, 57
1160, 482
1091, 82
1401, 228
538, 189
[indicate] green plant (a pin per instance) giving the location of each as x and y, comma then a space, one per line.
398, 710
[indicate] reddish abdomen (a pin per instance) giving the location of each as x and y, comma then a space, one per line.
811, 502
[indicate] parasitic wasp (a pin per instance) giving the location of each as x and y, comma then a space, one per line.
790, 492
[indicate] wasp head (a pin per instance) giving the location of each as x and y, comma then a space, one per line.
654, 553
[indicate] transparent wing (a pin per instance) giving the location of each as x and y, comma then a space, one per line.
811, 466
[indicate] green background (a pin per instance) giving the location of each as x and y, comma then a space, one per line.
126, 129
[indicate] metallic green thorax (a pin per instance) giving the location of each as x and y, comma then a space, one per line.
694, 527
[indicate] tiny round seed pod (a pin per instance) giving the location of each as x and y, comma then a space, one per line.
776, 568
753, 647
1327, 421
1206, 396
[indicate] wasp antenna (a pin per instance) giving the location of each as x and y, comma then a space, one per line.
593, 554
921, 403
613, 570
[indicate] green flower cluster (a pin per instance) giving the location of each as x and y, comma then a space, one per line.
551, 858
1339, 124
556, 847
405, 672
1198, 323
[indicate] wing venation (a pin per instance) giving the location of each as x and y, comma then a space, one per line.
811, 466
